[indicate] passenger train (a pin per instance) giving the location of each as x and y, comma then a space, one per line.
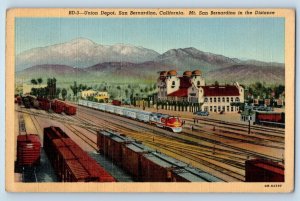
160, 120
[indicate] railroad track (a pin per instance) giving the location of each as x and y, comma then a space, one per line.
241, 132
249, 153
261, 130
216, 156
179, 136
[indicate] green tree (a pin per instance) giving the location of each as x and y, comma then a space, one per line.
57, 92
33, 81
40, 81
64, 93
74, 89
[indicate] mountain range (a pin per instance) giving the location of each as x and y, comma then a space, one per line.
88, 60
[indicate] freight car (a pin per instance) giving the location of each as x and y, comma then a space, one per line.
44, 104
165, 121
28, 147
261, 170
116, 102
270, 119
28, 150
58, 106
69, 161
145, 164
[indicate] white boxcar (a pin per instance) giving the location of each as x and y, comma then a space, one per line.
119, 110
101, 106
110, 108
143, 116
129, 113
82, 102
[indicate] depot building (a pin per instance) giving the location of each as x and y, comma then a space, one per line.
191, 87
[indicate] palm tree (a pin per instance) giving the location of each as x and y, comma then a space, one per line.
34, 82
40, 81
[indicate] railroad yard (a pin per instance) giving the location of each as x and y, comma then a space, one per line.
216, 147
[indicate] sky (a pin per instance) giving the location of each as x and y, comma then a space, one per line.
245, 38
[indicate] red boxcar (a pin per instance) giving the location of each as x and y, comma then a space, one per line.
261, 170
69, 161
58, 106
117, 102
131, 162
28, 150
70, 109
44, 104
155, 169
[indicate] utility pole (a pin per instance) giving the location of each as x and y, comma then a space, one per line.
249, 120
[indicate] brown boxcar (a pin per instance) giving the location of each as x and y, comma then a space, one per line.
44, 104
28, 150
131, 160
189, 174
70, 109
261, 170
116, 102
58, 106
70, 162
154, 169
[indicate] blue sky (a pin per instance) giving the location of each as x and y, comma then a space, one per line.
247, 38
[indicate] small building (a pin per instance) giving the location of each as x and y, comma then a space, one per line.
88, 93
102, 95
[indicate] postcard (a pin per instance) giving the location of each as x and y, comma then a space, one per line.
150, 100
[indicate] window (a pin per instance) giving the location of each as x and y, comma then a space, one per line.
227, 99
219, 108
198, 83
219, 99
210, 99
215, 99
231, 99
205, 108
227, 108
223, 99
215, 108
205, 99
210, 108
231, 109
237, 99
223, 108
173, 84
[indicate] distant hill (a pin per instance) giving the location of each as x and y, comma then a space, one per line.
82, 53
247, 74
127, 63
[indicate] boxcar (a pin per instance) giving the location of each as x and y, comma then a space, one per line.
274, 119
261, 170
143, 116
70, 162
116, 102
28, 150
131, 162
70, 109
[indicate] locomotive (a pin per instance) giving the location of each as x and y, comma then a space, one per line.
165, 121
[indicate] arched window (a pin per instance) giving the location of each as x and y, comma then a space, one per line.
237, 99
173, 84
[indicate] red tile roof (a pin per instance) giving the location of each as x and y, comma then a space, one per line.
221, 90
180, 93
